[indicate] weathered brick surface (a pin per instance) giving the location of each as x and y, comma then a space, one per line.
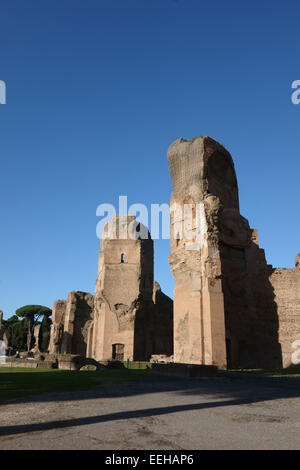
78, 317
130, 321
3, 336
57, 327
286, 284
230, 306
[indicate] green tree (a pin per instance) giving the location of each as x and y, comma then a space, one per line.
16, 332
32, 314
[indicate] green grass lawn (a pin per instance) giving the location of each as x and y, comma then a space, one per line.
293, 371
137, 364
21, 382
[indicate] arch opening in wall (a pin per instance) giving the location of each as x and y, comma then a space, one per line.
118, 352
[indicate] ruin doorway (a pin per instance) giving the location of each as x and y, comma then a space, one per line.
118, 352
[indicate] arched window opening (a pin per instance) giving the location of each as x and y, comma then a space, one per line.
122, 258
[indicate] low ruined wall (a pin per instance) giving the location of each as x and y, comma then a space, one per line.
185, 370
30, 364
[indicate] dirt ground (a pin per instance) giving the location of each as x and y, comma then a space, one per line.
160, 413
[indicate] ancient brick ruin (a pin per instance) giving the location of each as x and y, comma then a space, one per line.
77, 319
129, 318
286, 285
57, 327
231, 308
3, 337
71, 320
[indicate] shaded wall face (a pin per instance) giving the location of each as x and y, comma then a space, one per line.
78, 317
145, 311
251, 315
83, 318
234, 239
162, 324
221, 178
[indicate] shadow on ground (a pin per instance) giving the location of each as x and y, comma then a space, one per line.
208, 393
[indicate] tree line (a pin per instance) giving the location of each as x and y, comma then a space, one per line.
19, 327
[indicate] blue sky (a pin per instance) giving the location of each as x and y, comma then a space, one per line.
96, 92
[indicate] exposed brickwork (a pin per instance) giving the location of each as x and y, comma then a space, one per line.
78, 317
130, 322
57, 327
3, 336
129, 317
286, 284
230, 306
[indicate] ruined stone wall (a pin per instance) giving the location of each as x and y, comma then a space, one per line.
78, 317
57, 327
123, 293
224, 303
3, 336
251, 314
127, 318
36, 337
199, 324
286, 285
161, 324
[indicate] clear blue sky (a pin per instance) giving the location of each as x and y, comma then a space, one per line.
96, 92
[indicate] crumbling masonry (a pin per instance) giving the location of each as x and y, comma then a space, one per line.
129, 318
231, 308
3, 337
